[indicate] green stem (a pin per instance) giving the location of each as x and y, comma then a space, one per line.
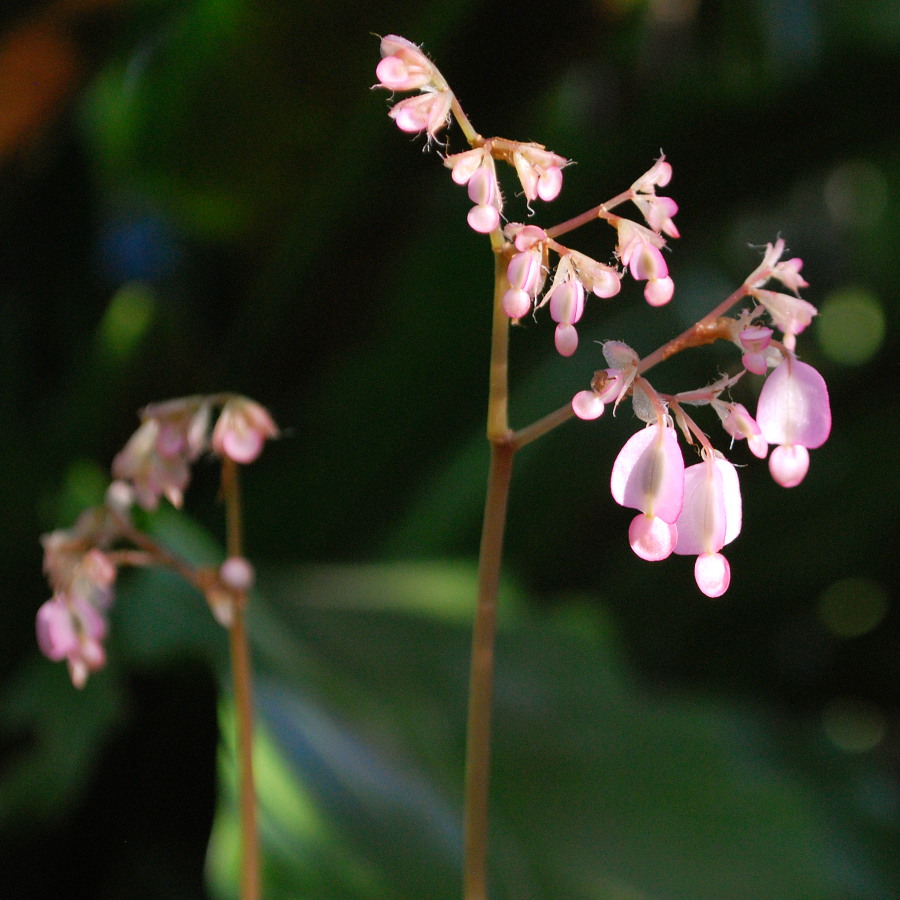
243, 694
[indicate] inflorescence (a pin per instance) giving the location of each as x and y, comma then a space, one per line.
693, 510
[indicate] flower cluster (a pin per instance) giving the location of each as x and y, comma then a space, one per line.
404, 67
81, 563
694, 510
697, 510
72, 625
156, 462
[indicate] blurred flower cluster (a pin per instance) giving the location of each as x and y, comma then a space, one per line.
81, 563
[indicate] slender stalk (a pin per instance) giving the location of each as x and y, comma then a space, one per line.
481, 675
481, 679
243, 695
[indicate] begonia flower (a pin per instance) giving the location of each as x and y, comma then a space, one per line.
755, 341
790, 314
710, 518
738, 422
639, 249
242, 429
793, 412
428, 112
539, 171
526, 276
404, 67
156, 459
476, 169
648, 475
657, 211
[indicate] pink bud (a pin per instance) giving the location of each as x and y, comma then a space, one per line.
404, 67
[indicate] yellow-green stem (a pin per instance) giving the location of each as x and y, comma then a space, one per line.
243, 695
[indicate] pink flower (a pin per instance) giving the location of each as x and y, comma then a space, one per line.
72, 624
404, 67
709, 519
539, 171
476, 169
428, 112
793, 412
71, 628
606, 387
566, 300
601, 280
242, 429
640, 250
738, 422
648, 475
657, 211
755, 340
790, 314
156, 459
525, 274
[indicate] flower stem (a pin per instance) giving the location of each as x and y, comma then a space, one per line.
243, 695
481, 675
481, 679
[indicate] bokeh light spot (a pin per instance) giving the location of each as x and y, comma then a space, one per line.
856, 194
853, 724
853, 606
851, 325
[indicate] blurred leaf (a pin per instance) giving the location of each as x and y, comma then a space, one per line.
602, 788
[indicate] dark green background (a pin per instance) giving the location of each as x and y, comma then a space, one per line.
217, 201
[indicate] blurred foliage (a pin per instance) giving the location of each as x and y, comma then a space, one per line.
205, 195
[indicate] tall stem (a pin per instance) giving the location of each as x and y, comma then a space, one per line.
243, 694
481, 675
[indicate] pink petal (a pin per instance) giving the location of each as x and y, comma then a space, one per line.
793, 406
566, 339
648, 473
701, 525
588, 405
651, 538
789, 464
712, 573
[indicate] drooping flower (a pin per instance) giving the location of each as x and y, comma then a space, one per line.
476, 168
404, 67
657, 211
566, 301
648, 475
428, 112
157, 458
709, 519
738, 422
72, 624
793, 412
526, 276
539, 171
790, 314
754, 341
242, 429
639, 249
